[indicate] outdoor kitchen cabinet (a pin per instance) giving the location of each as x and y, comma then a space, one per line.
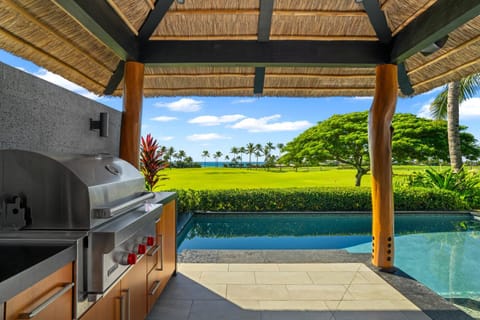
58, 286
108, 307
133, 287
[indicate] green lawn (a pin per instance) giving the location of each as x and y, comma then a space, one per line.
231, 178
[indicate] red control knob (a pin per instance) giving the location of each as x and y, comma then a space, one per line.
131, 258
150, 241
141, 248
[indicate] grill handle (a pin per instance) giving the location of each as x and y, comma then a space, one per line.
108, 212
47, 302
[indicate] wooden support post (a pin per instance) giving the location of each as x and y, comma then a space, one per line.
380, 143
132, 112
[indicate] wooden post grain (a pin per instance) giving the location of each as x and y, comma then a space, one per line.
380, 143
132, 112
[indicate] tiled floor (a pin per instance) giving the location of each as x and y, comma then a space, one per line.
297, 291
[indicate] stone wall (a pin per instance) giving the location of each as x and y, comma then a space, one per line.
39, 116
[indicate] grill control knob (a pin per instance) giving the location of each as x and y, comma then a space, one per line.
150, 241
127, 258
141, 248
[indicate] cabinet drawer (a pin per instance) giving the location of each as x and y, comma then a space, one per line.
156, 282
153, 255
51, 298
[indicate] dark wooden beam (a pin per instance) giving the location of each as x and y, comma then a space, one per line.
262, 54
265, 19
378, 20
259, 80
404, 81
103, 22
146, 30
441, 18
115, 79
264, 25
153, 20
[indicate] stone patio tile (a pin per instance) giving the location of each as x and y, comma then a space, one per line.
376, 305
256, 292
319, 266
202, 267
332, 277
316, 292
253, 267
226, 277
363, 277
416, 315
247, 304
296, 315
192, 291
170, 309
294, 305
218, 310
369, 315
374, 292
282, 277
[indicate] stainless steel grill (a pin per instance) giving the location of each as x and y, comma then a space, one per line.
100, 194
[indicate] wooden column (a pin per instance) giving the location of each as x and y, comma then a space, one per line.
380, 142
132, 112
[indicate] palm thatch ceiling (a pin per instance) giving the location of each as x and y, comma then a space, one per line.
246, 47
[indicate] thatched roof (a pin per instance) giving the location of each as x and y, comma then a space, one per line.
243, 47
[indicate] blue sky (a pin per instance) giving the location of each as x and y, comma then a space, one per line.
215, 124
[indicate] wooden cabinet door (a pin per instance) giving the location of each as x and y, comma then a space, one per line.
169, 238
134, 287
108, 307
58, 286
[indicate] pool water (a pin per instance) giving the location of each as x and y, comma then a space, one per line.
440, 250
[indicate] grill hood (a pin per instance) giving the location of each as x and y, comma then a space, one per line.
52, 191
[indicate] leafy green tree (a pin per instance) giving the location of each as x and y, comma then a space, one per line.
344, 138
447, 106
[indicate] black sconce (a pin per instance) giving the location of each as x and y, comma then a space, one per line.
437, 45
101, 124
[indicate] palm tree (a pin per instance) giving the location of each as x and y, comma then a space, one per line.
242, 150
182, 154
234, 151
258, 153
250, 150
205, 155
446, 106
216, 156
280, 147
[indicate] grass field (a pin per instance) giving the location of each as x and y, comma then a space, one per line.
234, 178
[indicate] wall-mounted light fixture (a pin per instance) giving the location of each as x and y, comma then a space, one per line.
437, 45
180, 1
101, 124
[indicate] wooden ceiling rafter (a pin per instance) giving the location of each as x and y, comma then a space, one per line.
379, 23
437, 21
99, 18
271, 53
263, 31
146, 30
122, 16
29, 17
49, 56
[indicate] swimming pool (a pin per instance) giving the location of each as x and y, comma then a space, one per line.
440, 250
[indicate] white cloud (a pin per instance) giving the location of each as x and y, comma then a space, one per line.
163, 119
470, 108
206, 137
247, 100
362, 98
265, 124
166, 138
64, 83
182, 105
215, 121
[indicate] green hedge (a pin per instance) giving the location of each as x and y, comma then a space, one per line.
318, 199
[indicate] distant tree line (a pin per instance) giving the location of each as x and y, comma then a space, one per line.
258, 151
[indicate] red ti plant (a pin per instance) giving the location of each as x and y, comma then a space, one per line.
151, 161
